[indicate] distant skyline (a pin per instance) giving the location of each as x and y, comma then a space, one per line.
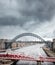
20, 16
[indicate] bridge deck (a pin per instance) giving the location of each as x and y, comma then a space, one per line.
28, 58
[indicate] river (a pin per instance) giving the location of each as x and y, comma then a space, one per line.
35, 51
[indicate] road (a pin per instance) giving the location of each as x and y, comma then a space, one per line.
35, 51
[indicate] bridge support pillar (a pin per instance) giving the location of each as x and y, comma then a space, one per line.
8, 45
38, 63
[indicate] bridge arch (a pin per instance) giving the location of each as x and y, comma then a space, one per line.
25, 34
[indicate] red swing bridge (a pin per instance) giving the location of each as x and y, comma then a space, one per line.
26, 58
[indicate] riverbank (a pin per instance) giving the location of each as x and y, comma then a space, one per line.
49, 52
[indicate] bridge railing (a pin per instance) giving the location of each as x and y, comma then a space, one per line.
24, 57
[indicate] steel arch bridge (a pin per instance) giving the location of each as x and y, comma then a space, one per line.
27, 34
24, 34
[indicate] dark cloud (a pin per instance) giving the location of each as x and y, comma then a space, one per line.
12, 21
19, 16
27, 11
39, 9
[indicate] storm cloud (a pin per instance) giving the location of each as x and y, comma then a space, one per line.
29, 15
39, 9
26, 10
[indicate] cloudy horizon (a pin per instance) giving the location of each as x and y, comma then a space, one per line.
33, 16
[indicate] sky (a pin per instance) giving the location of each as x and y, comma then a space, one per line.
32, 16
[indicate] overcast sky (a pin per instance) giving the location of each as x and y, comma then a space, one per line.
19, 16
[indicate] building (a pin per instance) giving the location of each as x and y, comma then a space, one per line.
2, 43
53, 44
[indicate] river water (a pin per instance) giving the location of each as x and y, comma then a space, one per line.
35, 51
